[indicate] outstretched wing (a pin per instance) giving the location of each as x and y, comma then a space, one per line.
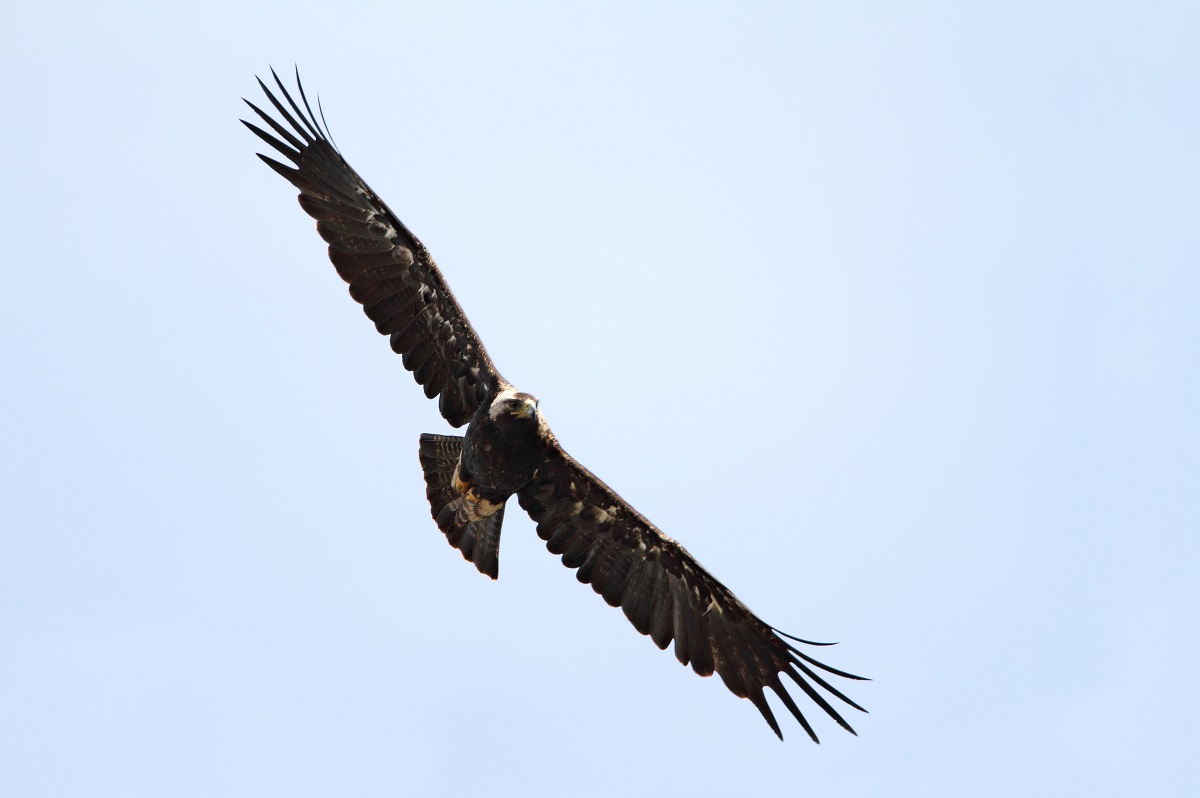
666, 594
390, 272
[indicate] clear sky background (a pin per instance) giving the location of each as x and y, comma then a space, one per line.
887, 311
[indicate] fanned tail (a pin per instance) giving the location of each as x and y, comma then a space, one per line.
478, 540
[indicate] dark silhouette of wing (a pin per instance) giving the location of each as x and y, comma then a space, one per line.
390, 272
666, 594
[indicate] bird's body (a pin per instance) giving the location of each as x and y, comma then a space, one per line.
509, 450
505, 442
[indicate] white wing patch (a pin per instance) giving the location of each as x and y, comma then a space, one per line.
602, 515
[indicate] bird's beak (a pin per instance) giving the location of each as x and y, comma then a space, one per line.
528, 409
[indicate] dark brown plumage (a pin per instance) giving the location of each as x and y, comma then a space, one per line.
508, 448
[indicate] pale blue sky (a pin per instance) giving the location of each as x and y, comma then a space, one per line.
887, 311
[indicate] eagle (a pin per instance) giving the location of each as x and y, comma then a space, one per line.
508, 449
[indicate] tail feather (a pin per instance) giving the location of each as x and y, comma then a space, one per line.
479, 540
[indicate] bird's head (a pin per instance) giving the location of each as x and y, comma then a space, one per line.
511, 403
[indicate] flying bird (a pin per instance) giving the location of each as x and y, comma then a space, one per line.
509, 450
